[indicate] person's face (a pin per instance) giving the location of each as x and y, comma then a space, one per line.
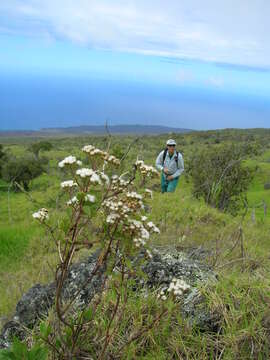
171, 149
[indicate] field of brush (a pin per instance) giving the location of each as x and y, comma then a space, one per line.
242, 294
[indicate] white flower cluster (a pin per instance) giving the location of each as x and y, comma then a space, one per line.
105, 178
118, 182
152, 227
116, 207
143, 228
41, 215
139, 163
140, 233
123, 208
112, 218
162, 294
93, 151
177, 287
146, 170
68, 184
112, 159
88, 149
139, 242
90, 198
69, 160
149, 193
134, 195
134, 200
120, 211
86, 172
73, 201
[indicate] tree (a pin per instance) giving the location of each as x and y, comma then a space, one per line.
21, 171
219, 176
2, 153
38, 146
2, 157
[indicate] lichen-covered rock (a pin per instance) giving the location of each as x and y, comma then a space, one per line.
35, 304
172, 264
165, 266
160, 270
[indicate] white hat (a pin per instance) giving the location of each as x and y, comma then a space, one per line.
171, 142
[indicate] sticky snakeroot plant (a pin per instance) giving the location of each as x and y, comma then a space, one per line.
105, 211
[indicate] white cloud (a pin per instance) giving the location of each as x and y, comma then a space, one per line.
224, 31
184, 76
215, 81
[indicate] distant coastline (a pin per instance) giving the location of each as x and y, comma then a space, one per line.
97, 130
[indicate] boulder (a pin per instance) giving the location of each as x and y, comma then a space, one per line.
160, 270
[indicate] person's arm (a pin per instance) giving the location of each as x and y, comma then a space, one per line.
159, 161
180, 165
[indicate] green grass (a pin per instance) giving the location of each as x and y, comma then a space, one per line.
258, 196
14, 241
241, 294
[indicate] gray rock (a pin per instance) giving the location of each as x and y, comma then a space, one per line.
35, 304
192, 304
160, 270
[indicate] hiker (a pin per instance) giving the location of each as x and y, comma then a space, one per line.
171, 163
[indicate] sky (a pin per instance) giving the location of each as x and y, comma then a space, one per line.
191, 64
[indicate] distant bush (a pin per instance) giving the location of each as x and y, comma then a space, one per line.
219, 176
2, 157
118, 151
267, 186
38, 146
2, 153
21, 171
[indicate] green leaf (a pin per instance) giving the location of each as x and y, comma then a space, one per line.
80, 196
45, 330
57, 343
19, 349
38, 352
88, 314
64, 224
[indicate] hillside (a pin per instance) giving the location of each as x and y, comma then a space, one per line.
236, 247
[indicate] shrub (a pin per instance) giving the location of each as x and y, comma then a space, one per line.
113, 206
38, 146
2, 157
219, 176
21, 171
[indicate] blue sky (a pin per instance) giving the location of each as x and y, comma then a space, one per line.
155, 59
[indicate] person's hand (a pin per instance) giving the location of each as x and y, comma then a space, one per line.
165, 170
170, 177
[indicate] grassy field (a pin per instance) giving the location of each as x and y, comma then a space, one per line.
242, 294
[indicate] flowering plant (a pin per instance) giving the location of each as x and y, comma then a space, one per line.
111, 205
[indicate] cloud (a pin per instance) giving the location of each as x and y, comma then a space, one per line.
185, 76
234, 32
215, 81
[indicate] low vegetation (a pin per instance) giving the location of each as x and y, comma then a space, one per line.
221, 207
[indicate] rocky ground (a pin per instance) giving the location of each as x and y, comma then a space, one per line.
160, 270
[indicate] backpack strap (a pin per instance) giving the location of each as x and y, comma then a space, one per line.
164, 155
176, 159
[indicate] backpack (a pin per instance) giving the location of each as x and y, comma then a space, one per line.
175, 158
